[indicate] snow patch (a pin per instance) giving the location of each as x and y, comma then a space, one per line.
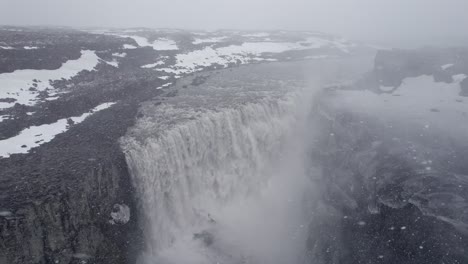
120, 55
159, 44
6, 47
257, 35
164, 44
245, 53
209, 40
114, 63
35, 136
446, 66
16, 84
152, 65
128, 46
164, 86
386, 89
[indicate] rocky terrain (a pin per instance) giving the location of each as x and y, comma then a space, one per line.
66, 98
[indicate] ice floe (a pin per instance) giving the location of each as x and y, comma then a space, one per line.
35, 136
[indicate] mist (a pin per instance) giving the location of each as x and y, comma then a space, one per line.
393, 23
224, 131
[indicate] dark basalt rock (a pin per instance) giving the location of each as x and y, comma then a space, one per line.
58, 203
379, 206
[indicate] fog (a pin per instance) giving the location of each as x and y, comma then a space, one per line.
395, 22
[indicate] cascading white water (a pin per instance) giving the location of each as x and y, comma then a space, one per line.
221, 185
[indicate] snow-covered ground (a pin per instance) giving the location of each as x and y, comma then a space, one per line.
164, 86
173, 54
37, 135
257, 35
128, 46
17, 84
120, 55
113, 63
152, 65
252, 48
446, 66
209, 40
247, 52
158, 44
419, 100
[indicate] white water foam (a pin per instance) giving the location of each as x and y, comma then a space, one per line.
222, 186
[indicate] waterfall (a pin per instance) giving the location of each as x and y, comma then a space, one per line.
204, 178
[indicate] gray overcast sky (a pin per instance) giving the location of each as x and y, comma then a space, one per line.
368, 20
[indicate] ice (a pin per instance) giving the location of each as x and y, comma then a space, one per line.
35, 136
31, 47
6, 47
16, 84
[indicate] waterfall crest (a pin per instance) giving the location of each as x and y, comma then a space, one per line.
197, 169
